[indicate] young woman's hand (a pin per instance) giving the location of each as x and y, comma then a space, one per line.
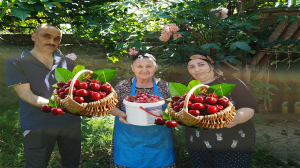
242, 115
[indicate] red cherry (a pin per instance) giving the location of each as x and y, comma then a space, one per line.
176, 108
66, 85
95, 86
78, 99
95, 96
62, 95
103, 94
83, 85
206, 105
195, 113
181, 104
82, 93
61, 90
175, 104
56, 111
189, 104
96, 81
223, 101
171, 124
211, 100
197, 106
175, 98
180, 100
46, 108
76, 82
212, 95
61, 84
105, 87
68, 88
212, 109
184, 96
199, 99
220, 107
160, 121
192, 96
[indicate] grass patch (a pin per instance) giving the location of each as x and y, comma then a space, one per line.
97, 135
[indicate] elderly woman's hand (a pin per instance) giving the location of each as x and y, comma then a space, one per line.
122, 117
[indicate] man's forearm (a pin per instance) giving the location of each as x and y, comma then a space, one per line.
33, 99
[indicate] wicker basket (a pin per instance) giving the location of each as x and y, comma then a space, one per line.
97, 108
211, 121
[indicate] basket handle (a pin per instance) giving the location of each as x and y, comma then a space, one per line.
185, 106
70, 94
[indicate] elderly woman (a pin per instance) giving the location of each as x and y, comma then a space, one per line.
230, 146
141, 146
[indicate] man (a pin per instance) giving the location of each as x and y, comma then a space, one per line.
31, 74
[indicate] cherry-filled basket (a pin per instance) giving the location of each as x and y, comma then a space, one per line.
209, 121
96, 108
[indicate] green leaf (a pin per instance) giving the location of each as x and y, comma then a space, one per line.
243, 46
177, 89
57, 4
52, 15
223, 91
125, 33
169, 99
52, 103
49, 4
232, 47
39, 7
19, 13
206, 46
104, 75
252, 51
120, 46
192, 84
62, 74
77, 69
166, 115
25, 6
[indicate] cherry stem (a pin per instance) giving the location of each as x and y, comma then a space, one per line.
104, 76
149, 111
221, 91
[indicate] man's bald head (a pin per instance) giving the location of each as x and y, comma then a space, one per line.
44, 26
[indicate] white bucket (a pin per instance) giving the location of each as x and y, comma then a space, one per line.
137, 116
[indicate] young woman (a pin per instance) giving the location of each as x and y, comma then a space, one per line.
232, 145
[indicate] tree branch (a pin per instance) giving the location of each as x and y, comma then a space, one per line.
212, 49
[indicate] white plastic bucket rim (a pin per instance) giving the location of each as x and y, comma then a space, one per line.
137, 116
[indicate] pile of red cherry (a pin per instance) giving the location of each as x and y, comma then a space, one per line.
200, 104
85, 91
143, 98
147, 98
